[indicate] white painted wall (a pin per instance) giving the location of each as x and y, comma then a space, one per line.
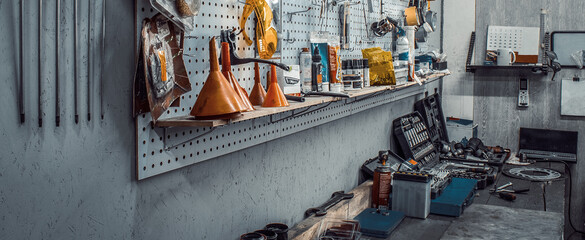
459, 22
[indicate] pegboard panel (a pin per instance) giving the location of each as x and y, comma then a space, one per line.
161, 150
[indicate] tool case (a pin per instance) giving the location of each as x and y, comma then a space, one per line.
415, 141
455, 198
378, 223
432, 113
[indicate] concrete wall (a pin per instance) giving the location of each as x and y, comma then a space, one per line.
459, 22
496, 92
78, 181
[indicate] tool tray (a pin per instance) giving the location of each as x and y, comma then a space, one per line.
415, 140
432, 113
483, 179
497, 159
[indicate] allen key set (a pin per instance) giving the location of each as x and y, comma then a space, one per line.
44, 84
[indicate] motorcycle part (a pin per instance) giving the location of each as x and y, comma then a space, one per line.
336, 197
217, 99
280, 229
266, 35
533, 174
274, 97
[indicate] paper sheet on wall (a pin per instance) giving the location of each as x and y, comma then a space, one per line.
572, 97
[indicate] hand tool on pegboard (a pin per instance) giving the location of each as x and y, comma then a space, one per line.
21, 67
89, 61
229, 36
102, 58
57, 37
75, 39
39, 64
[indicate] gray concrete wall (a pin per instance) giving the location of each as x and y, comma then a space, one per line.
496, 92
459, 22
78, 181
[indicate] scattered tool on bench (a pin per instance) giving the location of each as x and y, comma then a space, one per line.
336, 197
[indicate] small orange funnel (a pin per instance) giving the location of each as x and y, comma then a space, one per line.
275, 97
258, 93
226, 70
217, 99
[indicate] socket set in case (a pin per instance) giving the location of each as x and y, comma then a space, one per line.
414, 140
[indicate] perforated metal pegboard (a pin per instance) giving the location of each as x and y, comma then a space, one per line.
164, 149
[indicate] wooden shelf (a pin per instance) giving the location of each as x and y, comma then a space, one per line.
190, 121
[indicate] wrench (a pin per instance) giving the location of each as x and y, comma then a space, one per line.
336, 197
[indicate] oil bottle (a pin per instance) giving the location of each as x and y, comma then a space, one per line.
382, 182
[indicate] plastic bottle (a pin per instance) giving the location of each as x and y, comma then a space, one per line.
316, 67
305, 60
402, 50
366, 64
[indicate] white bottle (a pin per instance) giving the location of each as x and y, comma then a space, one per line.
305, 60
402, 50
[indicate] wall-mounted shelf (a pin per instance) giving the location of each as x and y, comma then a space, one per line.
535, 68
190, 121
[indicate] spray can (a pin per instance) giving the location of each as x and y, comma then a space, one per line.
366, 65
316, 68
382, 182
305, 66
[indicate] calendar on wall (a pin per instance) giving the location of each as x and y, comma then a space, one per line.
522, 40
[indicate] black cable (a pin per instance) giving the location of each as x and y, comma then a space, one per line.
568, 168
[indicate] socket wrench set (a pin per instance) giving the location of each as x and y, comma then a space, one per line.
415, 141
432, 113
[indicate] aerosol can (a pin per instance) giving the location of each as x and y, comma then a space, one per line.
382, 182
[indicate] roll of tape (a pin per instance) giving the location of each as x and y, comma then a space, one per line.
412, 18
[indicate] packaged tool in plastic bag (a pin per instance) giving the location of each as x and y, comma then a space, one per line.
577, 58
381, 66
161, 77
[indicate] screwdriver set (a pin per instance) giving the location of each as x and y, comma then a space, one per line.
414, 139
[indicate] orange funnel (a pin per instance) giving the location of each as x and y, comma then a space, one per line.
275, 97
217, 99
226, 66
258, 93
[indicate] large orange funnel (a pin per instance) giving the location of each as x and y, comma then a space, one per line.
274, 97
217, 99
258, 93
226, 70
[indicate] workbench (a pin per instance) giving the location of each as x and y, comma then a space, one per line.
489, 217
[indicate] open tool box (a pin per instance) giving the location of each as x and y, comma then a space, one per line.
432, 113
415, 141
